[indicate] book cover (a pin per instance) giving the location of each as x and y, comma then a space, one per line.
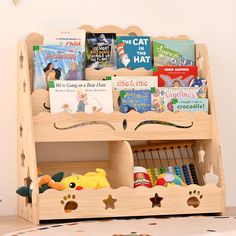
57, 63
194, 104
64, 37
162, 97
80, 96
100, 50
133, 52
174, 52
138, 100
175, 76
133, 82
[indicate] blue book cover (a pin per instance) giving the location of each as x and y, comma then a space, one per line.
174, 52
138, 100
57, 63
133, 52
193, 104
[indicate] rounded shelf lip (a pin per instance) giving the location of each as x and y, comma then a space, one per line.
110, 126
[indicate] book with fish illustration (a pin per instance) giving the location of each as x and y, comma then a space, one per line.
57, 63
175, 76
133, 52
162, 97
100, 50
174, 52
194, 104
80, 96
138, 100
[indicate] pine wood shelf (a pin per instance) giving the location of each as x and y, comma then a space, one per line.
39, 131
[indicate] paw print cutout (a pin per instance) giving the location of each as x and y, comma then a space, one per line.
69, 203
194, 199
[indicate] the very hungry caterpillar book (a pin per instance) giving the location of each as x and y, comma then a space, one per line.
175, 76
100, 50
162, 97
57, 63
133, 52
80, 96
174, 52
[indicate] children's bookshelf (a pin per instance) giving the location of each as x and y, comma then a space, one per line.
39, 132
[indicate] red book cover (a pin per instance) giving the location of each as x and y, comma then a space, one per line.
175, 76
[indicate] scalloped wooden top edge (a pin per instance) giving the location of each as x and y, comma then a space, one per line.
35, 36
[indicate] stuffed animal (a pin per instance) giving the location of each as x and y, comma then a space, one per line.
44, 182
94, 180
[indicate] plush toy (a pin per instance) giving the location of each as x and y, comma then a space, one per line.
44, 182
169, 179
94, 180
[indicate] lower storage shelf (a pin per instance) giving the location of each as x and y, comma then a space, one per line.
124, 201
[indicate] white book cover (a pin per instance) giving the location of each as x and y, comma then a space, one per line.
134, 82
80, 96
65, 37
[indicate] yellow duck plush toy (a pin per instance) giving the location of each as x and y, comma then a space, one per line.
95, 180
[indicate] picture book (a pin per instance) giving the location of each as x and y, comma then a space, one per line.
138, 100
162, 97
194, 104
134, 52
64, 37
133, 82
175, 76
100, 50
80, 96
57, 63
174, 52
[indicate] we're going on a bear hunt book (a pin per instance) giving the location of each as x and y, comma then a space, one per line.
100, 50
133, 52
57, 63
174, 52
80, 96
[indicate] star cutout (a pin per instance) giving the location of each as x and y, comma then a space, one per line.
22, 156
21, 58
156, 200
24, 86
28, 182
110, 202
21, 130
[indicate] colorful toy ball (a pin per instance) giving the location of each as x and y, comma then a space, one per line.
169, 179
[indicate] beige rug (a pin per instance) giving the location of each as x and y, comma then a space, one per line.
173, 226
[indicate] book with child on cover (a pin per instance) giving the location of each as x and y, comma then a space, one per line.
57, 63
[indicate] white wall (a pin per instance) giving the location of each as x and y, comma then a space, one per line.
210, 21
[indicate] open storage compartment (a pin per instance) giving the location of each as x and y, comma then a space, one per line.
39, 132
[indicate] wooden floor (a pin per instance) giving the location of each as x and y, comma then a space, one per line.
15, 223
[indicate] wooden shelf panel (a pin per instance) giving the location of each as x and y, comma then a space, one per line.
109, 127
131, 202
